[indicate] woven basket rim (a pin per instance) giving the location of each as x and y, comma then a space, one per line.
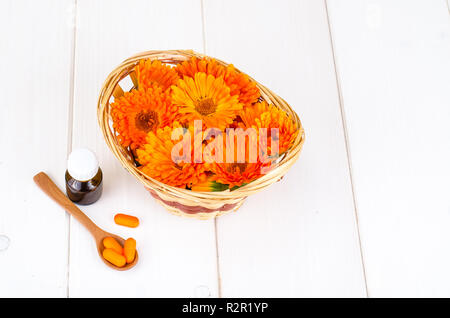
172, 57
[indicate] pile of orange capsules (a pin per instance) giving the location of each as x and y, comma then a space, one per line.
115, 253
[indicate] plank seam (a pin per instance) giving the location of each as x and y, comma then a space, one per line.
203, 26
70, 124
347, 146
219, 279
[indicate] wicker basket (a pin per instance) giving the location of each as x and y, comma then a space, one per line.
201, 205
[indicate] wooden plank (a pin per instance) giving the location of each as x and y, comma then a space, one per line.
298, 238
393, 65
177, 256
35, 85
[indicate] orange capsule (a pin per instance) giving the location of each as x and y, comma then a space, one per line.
126, 220
129, 250
110, 242
113, 257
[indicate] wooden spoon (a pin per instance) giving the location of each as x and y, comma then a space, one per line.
50, 188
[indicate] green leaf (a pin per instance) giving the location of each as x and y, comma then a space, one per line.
216, 186
237, 187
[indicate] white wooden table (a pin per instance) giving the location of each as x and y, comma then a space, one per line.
364, 212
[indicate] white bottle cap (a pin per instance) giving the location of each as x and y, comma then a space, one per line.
82, 164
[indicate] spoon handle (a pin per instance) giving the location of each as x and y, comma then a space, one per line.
51, 189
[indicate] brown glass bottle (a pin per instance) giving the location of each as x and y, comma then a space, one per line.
84, 192
83, 177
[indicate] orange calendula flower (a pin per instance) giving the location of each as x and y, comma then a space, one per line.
238, 174
209, 185
196, 65
205, 186
230, 171
206, 98
263, 115
239, 83
150, 72
140, 111
155, 156
249, 114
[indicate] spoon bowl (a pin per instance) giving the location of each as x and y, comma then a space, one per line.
101, 247
51, 189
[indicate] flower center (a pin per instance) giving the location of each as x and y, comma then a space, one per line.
205, 106
233, 167
146, 120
